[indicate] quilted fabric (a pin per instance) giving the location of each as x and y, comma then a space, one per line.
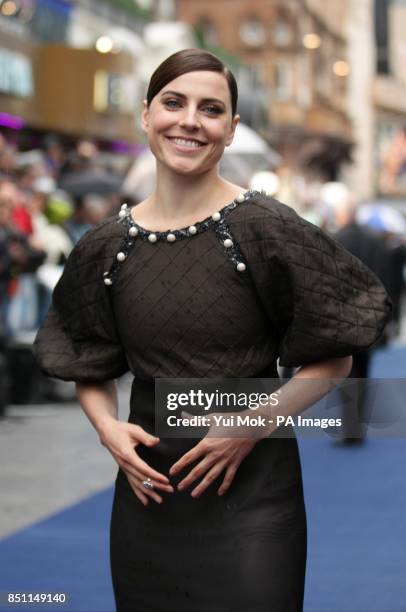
78, 340
182, 309
323, 301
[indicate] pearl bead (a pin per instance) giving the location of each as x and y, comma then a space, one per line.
241, 197
152, 238
108, 281
228, 243
121, 256
122, 214
216, 216
241, 267
171, 237
133, 231
192, 229
123, 206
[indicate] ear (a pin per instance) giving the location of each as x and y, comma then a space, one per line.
145, 116
234, 123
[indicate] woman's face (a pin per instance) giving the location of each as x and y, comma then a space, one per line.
189, 122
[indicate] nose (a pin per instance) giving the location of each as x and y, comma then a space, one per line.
189, 118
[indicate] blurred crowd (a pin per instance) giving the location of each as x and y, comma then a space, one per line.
49, 197
53, 194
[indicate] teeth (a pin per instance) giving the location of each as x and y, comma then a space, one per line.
186, 143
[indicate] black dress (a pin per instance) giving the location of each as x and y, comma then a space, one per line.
224, 298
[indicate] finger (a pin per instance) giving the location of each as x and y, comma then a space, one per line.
208, 479
129, 469
143, 491
149, 472
139, 464
187, 458
152, 494
143, 436
198, 471
143, 498
228, 479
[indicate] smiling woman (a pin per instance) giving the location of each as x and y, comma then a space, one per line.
204, 279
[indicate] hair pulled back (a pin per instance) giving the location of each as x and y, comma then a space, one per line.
190, 60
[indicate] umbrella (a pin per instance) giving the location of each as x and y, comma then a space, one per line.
91, 181
247, 142
382, 218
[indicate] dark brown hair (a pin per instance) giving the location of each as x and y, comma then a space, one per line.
190, 60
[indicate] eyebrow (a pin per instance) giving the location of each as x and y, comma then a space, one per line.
181, 95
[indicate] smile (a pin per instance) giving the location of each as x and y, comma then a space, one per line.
186, 142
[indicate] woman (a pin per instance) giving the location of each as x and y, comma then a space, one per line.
204, 280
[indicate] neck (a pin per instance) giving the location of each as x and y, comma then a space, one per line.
177, 196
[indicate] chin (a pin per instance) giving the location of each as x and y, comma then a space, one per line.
187, 169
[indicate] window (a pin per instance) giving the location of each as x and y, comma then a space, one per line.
283, 80
252, 32
282, 34
208, 31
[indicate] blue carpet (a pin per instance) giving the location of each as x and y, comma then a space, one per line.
66, 553
356, 501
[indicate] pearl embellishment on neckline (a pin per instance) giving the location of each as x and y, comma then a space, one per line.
217, 221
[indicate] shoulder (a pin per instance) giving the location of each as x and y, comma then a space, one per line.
262, 217
104, 231
91, 257
99, 242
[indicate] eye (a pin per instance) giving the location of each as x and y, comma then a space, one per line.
172, 103
213, 110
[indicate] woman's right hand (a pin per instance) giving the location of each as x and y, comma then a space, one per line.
121, 440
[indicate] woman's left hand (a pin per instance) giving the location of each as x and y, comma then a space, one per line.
218, 454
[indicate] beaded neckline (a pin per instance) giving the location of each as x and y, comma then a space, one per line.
136, 230
217, 222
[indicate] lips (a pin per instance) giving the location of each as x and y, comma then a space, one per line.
191, 143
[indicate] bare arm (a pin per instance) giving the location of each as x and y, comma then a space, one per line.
310, 384
226, 454
100, 404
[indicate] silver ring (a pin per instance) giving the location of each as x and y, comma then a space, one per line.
148, 484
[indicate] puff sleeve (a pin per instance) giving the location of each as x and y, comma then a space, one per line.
78, 340
323, 301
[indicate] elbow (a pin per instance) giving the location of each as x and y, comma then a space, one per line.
342, 366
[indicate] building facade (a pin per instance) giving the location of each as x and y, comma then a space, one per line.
298, 50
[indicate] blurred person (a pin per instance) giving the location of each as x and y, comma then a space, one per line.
17, 255
7, 161
52, 237
370, 248
21, 254
54, 240
88, 211
54, 154
204, 279
395, 276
